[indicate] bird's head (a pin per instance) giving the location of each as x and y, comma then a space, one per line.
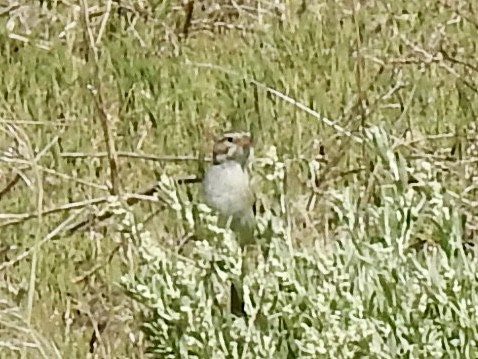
233, 146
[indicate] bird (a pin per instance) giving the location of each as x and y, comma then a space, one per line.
227, 190
226, 184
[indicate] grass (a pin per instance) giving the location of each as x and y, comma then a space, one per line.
405, 67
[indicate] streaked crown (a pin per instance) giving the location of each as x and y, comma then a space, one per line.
232, 146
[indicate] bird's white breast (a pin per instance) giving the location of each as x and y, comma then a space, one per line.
226, 188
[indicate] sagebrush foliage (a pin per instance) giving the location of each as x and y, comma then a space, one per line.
396, 282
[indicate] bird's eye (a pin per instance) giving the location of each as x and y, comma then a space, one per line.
229, 139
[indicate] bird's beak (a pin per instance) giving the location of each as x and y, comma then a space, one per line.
246, 142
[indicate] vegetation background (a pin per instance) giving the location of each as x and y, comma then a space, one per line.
364, 118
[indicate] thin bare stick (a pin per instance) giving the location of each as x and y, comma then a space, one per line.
105, 117
10, 185
130, 198
284, 97
20, 217
22, 139
438, 59
73, 179
147, 192
104, 21
188, 8
19, 173
126, 154
40, 243
33, 123
52, 172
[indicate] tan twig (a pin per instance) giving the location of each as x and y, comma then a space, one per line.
41, 44
100, 106
33, 123
98, 328
188, 8
125, 154
73, 179
454, 60
10, 185
145, 194
461, 14
13, 323
439, 60
330, 171
148, 192
20, 217
49, 171
282, 96
6, 11
55, 232
22, 139
130, 198
104, 22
